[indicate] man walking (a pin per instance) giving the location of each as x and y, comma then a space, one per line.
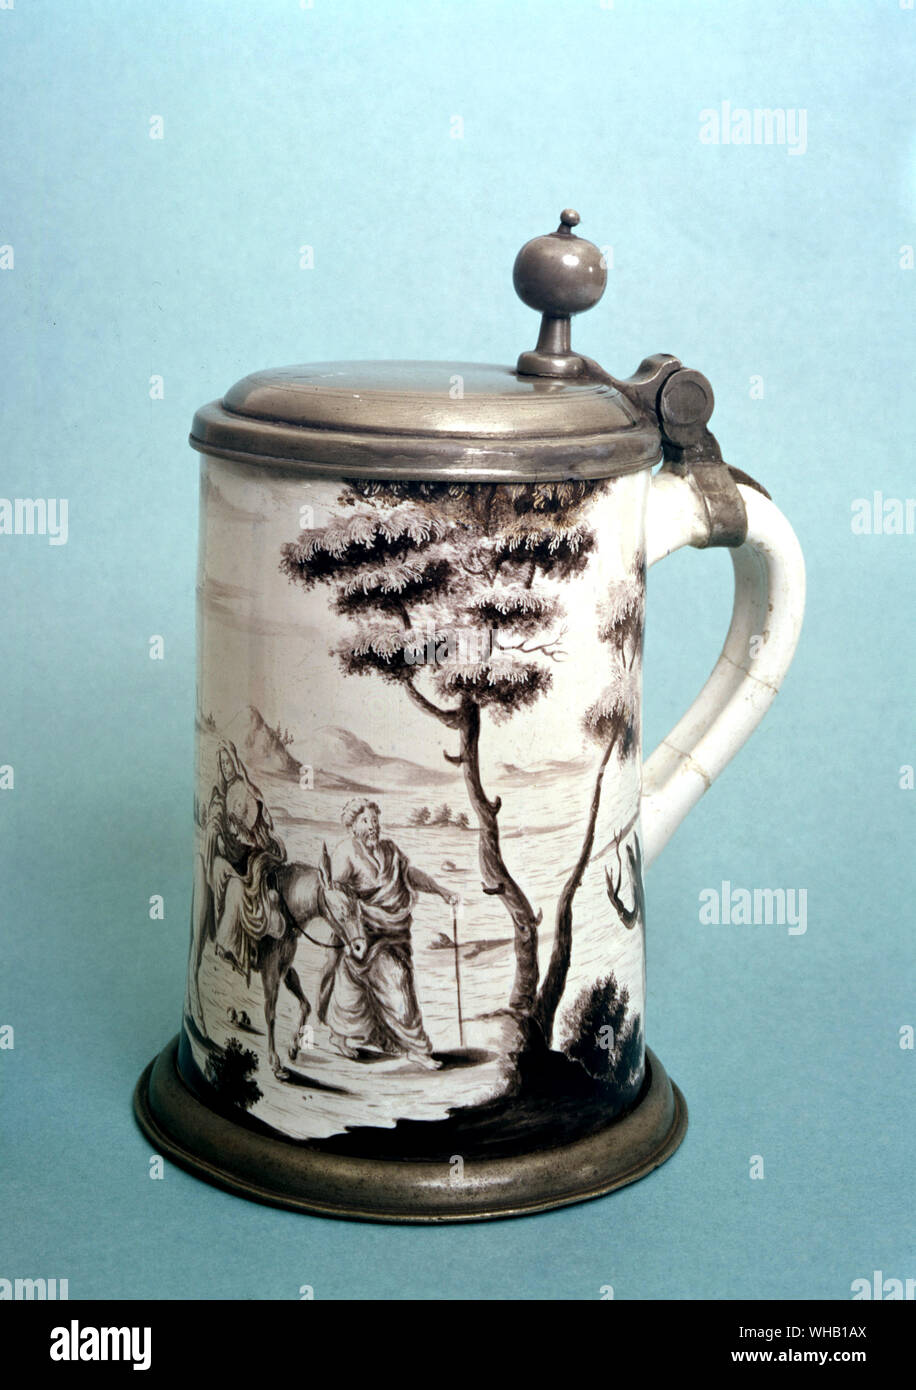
373, 1002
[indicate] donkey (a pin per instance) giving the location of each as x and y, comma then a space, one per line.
304, 892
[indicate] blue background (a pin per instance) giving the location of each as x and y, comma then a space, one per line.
330, 127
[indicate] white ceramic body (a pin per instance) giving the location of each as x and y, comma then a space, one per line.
492, 965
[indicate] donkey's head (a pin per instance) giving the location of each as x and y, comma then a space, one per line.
341, 909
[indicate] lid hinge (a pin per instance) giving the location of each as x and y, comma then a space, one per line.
680, 401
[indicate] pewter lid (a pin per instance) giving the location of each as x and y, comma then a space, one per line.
554, 416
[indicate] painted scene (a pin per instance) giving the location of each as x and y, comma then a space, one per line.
418, 915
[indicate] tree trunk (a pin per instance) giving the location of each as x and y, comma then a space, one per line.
555, 979
629, 916
496, 877
497, 880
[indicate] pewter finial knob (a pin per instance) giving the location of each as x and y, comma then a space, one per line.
559, 274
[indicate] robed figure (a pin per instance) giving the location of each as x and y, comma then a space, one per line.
240, 853
372, 998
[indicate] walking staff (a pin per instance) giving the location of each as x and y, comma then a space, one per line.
457, 973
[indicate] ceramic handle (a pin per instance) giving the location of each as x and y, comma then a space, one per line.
766, 622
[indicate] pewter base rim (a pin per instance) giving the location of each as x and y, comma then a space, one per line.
290, 1175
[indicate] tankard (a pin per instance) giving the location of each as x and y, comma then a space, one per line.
416, 981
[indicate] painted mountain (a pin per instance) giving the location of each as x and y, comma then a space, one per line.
342, 761
354, 758
547, 771
261, 748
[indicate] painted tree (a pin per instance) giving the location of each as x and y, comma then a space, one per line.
606, 1038
231, 1072
612, 723
630, 916
452, 592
